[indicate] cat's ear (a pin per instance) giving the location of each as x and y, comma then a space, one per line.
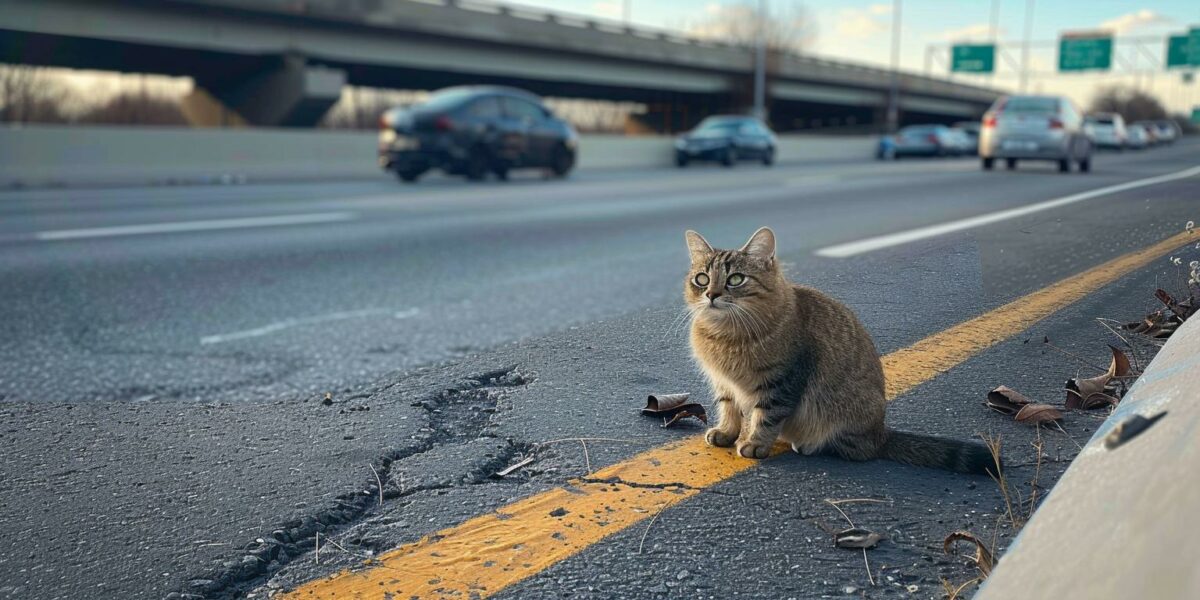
761, 244
697, 245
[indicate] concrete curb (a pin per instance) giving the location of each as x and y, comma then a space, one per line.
1123, 522
40, 156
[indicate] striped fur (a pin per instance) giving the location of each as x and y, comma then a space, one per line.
788, 363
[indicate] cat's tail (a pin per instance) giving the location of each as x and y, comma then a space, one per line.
939, 453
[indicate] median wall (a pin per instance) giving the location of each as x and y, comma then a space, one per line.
1121, 522
44, 156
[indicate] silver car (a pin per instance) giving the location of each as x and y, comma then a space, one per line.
1107, 130
1035, 128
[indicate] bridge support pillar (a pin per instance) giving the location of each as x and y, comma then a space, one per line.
289, 93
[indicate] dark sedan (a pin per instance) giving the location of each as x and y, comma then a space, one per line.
726, 139
473, 131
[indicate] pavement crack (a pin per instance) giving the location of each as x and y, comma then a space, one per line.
637, 484
458, 415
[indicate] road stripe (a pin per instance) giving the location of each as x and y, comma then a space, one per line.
187, 226
895, 239
488, 553
277, 326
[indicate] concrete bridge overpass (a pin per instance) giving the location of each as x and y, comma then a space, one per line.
283, 62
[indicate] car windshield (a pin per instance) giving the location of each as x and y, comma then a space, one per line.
1031, 104
915, 131
447, 99
718, 127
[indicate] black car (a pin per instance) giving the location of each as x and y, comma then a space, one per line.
726, 139
474, 130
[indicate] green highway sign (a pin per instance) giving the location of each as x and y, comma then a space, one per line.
1085, 52
973, 58
1184, 50
1196, 115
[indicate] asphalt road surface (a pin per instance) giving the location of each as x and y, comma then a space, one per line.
165, 353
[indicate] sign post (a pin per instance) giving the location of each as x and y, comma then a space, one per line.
1085, 51
973, 58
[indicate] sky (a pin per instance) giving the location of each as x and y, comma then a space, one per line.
860, 30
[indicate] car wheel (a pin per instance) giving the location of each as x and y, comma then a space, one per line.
728, 157
477, 165
562, 161
987, 163
409, 175
769, 158
681, 160
1010, 163
1064, 165
1085, 165
501, 172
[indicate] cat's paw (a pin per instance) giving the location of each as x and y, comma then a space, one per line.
753, 450
720, 439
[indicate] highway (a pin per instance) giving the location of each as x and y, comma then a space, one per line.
165, 353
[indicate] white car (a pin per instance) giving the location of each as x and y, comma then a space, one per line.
1107, 130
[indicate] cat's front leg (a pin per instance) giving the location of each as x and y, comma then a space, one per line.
765, 424
729, 422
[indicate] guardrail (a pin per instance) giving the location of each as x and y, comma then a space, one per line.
49, 156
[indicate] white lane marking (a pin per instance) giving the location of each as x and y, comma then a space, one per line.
185, 226
895, 239
289, 323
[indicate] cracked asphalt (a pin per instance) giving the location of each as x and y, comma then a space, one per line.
460, 328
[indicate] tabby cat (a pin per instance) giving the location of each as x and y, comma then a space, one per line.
789, 363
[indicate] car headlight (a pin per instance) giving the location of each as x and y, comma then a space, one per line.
680, 143
387, 136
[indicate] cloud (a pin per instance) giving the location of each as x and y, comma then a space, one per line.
976, 32
859, 23
880, 9
1141, 19
608, 9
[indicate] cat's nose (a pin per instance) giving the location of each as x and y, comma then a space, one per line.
712, 294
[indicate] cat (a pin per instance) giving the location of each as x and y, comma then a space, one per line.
789, 363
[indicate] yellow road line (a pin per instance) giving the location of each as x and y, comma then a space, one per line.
488, 553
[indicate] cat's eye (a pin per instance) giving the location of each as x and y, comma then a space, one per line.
701, 279
735, 280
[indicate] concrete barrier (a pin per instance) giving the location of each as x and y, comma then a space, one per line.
1122, 522
40, 156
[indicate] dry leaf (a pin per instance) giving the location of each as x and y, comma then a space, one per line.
1074, 400
1006, 400
1120, 363
1079, 390
1035, 414
685, 413
1183, 310
673, 407
1098, 400
856, 537
983, 557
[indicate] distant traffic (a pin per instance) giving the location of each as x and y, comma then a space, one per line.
474, 131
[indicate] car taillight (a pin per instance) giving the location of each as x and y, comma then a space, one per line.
932, 138
383, 121
1056, 124
443, 123
989, 121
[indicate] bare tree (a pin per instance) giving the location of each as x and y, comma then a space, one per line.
136, 107
1132, 104
360, 107
29, 95
791, 29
